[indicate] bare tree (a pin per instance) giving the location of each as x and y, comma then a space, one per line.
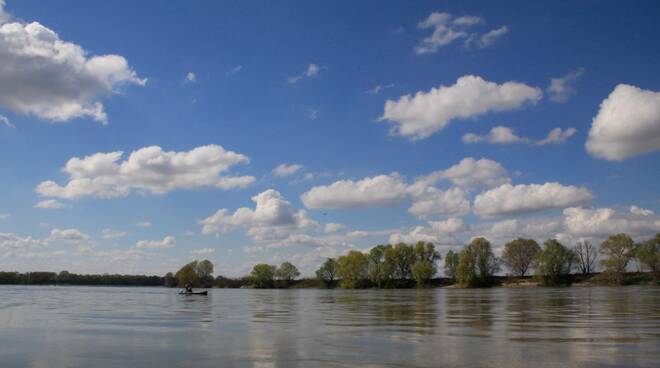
586, 256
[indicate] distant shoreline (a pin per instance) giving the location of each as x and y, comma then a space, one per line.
54, 279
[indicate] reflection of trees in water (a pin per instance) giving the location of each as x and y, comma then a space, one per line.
407, 310
274, 306
470, 308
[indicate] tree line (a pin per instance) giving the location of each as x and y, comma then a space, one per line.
67, 278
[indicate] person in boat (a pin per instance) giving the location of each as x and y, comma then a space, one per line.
188, 288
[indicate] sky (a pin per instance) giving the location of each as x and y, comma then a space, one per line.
138, 136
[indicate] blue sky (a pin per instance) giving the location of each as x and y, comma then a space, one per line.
224, 92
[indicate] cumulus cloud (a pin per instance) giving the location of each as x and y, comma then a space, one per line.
506, 135
445, 233
601, 222
166, 243
332, 227
627, 124
272, 218
640, 211
448, 29
377, 191
53, 79
433, 201
14, 241
143, 224
419, 116
147, 170
68, 235
562, 89
312, 70
51, 204
510, 199
470, 173
283, 170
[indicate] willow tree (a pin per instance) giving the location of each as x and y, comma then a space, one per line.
554, 263
451, 264
618, 250
352, 269
476, 263
648, 254
263, 275
327, 272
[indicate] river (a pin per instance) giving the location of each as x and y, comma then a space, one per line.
155, 327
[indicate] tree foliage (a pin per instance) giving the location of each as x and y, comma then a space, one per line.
425, 266
352, 269
287, 272
379, 271
451, 264
327, 272
519, 254
263, 275
476, 263
554, 263
648, 254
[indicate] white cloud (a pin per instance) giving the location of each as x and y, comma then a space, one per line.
283, 170
51, 204
312, 113
112, 234
70, 236
509, 199
273, 217
3, 216
505, 135
602, 222
311, 71
166, 243
143, 224
562, 89
377, 191
433, 201
235, 70
445, 233
489, 38
627, 124
53, 79
378, 88
147, 170
190, 77
332, 227
641, 211
120, 255
470, 173
14, 241
447, 29
5, 121
419, 116
203, 251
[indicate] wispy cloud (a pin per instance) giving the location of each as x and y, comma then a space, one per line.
311, 71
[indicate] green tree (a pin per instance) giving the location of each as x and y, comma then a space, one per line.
327, 272
618, 250
287, 272
425, 266
187, 275
476, 263
451, 264
648, 254
554, 262
379, 271
263, 275
352, 269
519, 255
400, 259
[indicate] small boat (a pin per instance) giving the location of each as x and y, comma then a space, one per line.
193, 292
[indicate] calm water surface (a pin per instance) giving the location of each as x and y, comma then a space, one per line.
155, 327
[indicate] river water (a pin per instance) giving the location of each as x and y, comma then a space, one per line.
155, 327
